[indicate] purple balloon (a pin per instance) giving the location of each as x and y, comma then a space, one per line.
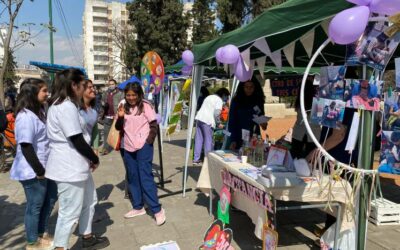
387, 7
188, 57
241, 73
218, 54
158, 118
347, 26
360, 2
229, 54
186, 70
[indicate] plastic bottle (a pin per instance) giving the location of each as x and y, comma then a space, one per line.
259, 152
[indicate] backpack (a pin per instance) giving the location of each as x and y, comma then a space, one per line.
9, 132
3, 121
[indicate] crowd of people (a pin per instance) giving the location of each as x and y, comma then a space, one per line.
57, 141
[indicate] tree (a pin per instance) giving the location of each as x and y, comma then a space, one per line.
10, 9
234, 14
122, 37
160, 26
203, 21
9, 75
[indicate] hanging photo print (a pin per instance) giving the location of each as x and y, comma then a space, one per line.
363, 94
390, 152
374, 48
391, 112
217, 237
332, 82
224, 204
397, 65
270, 238
328, 113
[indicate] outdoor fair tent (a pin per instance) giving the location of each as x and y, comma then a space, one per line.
133, 79
285, 35
54, 68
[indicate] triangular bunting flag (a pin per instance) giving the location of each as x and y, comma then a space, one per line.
325, 26
276, 58
226, 68
261, 63
308, 42
246, 58
232, 69
262, 45
289, 53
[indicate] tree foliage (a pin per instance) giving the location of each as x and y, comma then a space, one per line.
203, 18
234, 14
10, 75
161, 27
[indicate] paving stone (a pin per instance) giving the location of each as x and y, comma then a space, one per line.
187, 218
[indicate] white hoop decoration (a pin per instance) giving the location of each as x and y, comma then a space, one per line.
305, 119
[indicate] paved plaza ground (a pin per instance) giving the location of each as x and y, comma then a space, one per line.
187, 218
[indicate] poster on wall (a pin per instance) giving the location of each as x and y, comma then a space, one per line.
374, 48
284, 86
390, 152
363, 94
332, 82
152, 73
327, 112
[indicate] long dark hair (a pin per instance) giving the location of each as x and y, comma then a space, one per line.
310, 91
62, 87
28, 97
92, 103
137, 89
257, 98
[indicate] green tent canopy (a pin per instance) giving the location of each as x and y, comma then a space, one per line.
281, 26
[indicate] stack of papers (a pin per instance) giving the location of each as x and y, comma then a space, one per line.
251, 172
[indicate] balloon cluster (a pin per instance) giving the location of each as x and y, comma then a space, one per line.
230, 54
348, 26
188, 59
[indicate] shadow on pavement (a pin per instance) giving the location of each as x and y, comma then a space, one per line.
12, 217
179, 143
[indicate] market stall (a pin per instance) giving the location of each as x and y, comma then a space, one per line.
307, 33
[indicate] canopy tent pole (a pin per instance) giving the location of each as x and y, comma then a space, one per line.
198, 71
235, 84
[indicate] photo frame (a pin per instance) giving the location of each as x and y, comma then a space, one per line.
397, 66
363, 94
391, 111
332, 82
328, 113
374, 48
390, 152
276, 156
270, 238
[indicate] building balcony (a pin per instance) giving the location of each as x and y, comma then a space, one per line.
104, 43
100, 33
98, 62
100, 24
100, 14
100, 53
100, 72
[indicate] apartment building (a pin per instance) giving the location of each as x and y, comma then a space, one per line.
102, 22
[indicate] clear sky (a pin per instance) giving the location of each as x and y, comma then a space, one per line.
37, 12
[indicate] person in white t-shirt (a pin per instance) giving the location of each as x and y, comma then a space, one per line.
207, 118
70, 161
29, 165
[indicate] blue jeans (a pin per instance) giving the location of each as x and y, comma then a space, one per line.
139, 166
203, 137
41, 195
